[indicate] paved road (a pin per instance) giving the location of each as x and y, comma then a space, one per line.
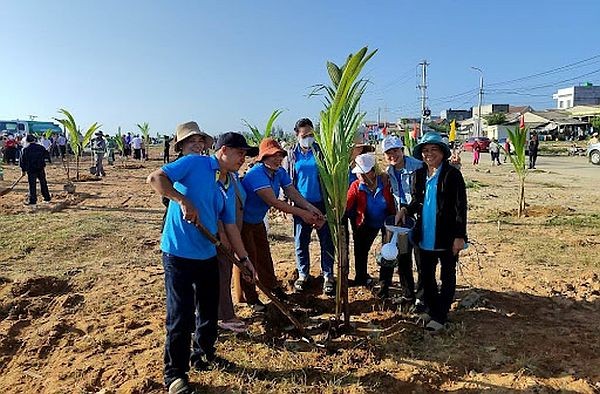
568, 165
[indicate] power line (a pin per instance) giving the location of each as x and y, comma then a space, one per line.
547, 72
553, 84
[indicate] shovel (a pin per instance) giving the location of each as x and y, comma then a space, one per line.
231, 257
9, 189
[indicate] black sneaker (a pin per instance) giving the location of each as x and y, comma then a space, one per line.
258, 307
210, 363
383, 292
419, 307
300, 284
279, 293
329, 287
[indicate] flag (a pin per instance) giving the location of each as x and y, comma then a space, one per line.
452, 135
522, 121
384, 131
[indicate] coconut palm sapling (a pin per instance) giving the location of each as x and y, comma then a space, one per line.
339, 123
76, 139
145, 130
256, 136
518, 139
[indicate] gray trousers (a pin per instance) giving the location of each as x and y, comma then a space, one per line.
98, 158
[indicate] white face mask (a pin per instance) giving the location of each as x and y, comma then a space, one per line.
306, 142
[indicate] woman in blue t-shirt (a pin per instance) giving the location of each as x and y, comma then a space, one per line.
370, 201
262, 184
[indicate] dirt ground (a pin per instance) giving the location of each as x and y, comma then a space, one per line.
82, 298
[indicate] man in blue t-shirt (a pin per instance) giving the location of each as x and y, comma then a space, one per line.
189, 258
304, 173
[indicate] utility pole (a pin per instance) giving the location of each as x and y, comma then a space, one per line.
479, 101
423, 87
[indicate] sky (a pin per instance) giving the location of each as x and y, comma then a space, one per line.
217, 62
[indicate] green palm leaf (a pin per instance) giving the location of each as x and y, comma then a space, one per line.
339, 122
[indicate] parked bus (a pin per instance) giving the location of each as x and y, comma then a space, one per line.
28, 127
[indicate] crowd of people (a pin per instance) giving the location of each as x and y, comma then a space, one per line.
423, 191
12, 145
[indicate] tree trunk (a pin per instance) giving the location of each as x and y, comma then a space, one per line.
521, 197
77, 167
341, 299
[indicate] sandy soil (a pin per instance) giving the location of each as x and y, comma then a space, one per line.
81, 298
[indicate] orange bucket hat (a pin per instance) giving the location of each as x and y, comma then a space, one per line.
269, 147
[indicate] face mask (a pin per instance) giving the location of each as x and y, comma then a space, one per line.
306, 142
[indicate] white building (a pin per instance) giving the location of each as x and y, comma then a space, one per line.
586, 94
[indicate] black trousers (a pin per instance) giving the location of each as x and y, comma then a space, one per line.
32, 177
363, 236
405, 274
438, 300
532, 158
190, 285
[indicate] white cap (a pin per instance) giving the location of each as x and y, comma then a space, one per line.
391, 142
364, 163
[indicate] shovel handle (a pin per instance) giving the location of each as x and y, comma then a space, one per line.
231, 257
8, 189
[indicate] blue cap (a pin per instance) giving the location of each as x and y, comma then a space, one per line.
431, 138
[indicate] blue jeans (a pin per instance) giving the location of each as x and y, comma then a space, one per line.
302, 233
191, 285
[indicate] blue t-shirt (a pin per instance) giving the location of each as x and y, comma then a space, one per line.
376, 205
195, 177
398, 174
239, 188
351, 177
307, 176
429, 217
257, 178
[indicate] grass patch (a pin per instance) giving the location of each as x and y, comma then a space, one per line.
474, 184
592, 220
550, 185
47, 228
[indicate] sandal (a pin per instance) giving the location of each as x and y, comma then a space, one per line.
233, 326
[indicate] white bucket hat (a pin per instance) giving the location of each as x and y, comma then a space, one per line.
364, 163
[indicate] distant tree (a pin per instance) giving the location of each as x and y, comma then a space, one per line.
494, 119
443, 127
596, 123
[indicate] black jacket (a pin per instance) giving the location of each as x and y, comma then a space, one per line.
451, 217
32, 158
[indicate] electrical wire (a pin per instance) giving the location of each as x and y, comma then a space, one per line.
555, 70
